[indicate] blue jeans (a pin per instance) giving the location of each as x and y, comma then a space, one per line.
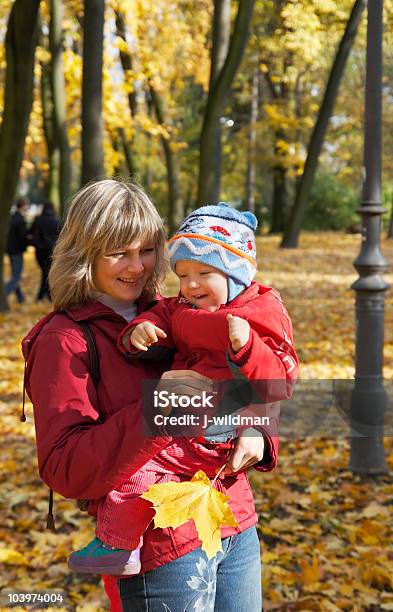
16, 262
230, 582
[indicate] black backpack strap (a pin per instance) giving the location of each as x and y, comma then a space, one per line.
50, 519
92, 349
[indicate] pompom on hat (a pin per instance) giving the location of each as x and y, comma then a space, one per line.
222, 237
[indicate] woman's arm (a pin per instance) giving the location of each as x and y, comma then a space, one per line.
79, 456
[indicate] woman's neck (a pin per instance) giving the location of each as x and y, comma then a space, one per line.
127, 310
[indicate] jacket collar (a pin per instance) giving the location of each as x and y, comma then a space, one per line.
245, 296
91, 310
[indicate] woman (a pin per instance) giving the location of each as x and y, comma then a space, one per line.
107, 266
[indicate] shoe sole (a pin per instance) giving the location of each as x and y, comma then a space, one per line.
114, 570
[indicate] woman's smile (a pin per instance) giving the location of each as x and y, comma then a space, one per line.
129, 281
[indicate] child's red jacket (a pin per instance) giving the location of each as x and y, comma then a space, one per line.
202, 342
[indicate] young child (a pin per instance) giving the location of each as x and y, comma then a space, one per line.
221, 317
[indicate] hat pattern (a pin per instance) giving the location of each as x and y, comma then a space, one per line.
222, 237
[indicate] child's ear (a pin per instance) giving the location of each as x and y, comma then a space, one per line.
251, 218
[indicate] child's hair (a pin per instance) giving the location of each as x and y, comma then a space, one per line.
104, 215
222, 237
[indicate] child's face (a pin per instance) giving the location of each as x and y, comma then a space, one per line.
203, 286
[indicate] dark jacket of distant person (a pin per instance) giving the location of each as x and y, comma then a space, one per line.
45, 229
17, 240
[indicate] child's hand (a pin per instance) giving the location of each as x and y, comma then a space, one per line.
145, 334
239, 332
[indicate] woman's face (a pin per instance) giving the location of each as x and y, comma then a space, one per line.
123, 273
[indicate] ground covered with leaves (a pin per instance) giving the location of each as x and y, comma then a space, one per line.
326, 535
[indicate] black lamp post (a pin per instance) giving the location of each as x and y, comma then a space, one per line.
368, 397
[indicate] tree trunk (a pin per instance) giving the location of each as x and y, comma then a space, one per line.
118, 169
280, 191
252, 139
280, 199
52, 188
220, 44
59, 101
175, 202
220, 38
148, 175
128, 154
292, 231
126, 62
221, 82
20, 44
92, 129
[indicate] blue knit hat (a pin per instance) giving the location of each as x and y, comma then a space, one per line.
222, 237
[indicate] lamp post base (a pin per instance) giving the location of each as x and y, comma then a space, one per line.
368, 457
368, 405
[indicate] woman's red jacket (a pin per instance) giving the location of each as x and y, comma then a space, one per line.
90, 440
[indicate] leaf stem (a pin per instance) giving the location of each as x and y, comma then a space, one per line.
217, 475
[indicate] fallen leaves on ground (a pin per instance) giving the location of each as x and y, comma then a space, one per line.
326, 535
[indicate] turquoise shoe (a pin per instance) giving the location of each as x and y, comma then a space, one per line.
100, 558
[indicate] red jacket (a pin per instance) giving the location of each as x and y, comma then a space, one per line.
91, 440
202, 342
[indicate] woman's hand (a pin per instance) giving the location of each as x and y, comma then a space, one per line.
248, 450
184, 382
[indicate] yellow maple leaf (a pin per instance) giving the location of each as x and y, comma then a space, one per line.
177, 502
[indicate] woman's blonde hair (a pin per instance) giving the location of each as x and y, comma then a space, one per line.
103, 216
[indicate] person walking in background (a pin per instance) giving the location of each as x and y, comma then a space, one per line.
44, 232
17, 242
